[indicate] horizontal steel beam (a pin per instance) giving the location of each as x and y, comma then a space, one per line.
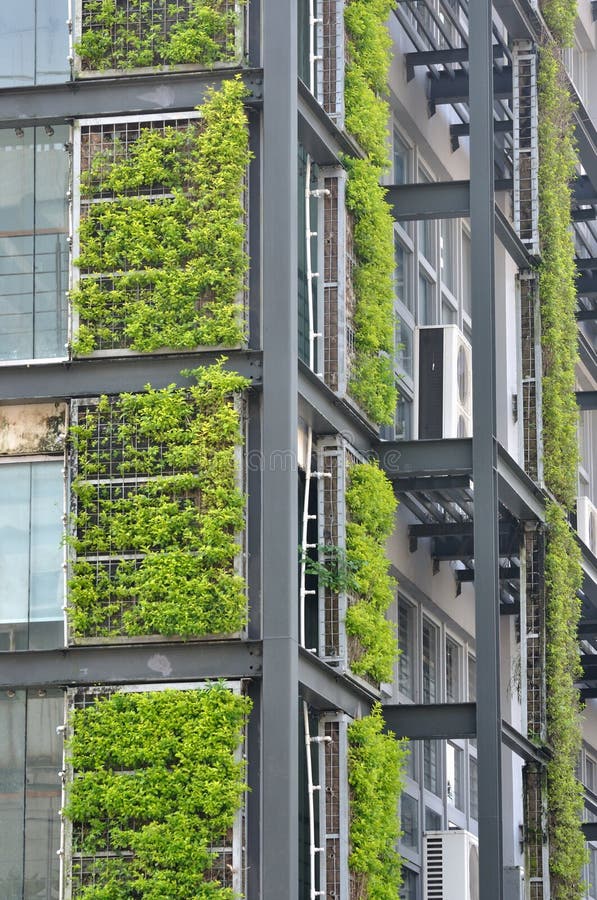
589, 829
588, 662
587, 628
453, 87
517, 491
586, 262
463, 129
130, 664
586, 399
521, 745
584, 215
586, 285
434, 199
97, 375
583, 190
431, 721
325, 688
507, 573
510, 241
586, 315
441, 57
445, 483
123, 95
320, 137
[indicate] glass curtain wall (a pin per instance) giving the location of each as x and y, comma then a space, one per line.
33, 42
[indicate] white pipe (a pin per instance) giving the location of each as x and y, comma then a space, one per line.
302, 593
308, 195
313, 892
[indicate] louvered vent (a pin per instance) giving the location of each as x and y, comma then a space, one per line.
434, 862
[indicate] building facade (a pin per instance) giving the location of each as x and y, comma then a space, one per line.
288, 460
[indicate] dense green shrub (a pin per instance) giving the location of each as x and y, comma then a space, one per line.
138, 34
157, 784
162, 253
560, 16
371, 505
157, 496
375, 775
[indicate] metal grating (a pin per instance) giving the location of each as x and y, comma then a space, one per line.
331, 293
535, 632
531, 378
534, 832
331, 535
525, 150
333, 789
350, 302
329, 59
148, 33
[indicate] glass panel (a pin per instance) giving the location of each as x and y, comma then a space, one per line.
454, 766
592, 874
426, 313
402, 279
404, 348
33, 42
447, 255
404, 415
408, 890
51, 46
590, 774
433, 820
406, 643
472, 678
409, 819
430, 636
43, 795
466, 274
449, 313
452, 671
474, 787
431, 778
401, 161
12, 801
411, 762
31, 585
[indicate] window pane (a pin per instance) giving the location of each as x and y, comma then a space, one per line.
454, 769
408, 890
409, 819
406, 643
34, 43
404, 348
402, 275
452, 671
426, 313
474, 787
466, 273
472, 678
431, 778
52, 42
401, 161
430, 636
433, 820
449, 313
447, 255
12, 800
404, 415
590, 774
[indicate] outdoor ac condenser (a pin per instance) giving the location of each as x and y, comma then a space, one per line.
451, 866
586, 523
443, 383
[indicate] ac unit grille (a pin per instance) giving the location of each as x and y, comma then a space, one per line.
435, 868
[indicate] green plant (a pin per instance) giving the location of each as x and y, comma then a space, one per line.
334, 572
162, 254
372, 375
560, 17
157, 783
157, 497
152, 34
557, 287
563, 574
371, 505
375, 775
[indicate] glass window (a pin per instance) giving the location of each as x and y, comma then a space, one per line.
466, 274
590, 773
447, 255
433, 820
452, 671
430, 654
454, 772
472, 678
592, 874
30, 793
401, 161
404, 417
33, 43
31, 578
404, 348
431, 761
411, 762
474, 787
34, 168
406, 643
402, 275
410, 880
409, 821
449, 313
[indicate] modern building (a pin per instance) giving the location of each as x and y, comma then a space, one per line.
207, 304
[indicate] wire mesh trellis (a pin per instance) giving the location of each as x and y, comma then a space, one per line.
333, 748
531, 376
85, 869
526, 150
330, 58
534, 832
535, 632
338, 290
149, 33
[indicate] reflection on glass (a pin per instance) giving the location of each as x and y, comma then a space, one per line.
406, 668
431, 779
403, 419
409, 819
34, 42
33, 242
433, 820
430, 634
452, 671
474, 787
401, 161
408, 889
402, 279
426, 316
31, 588
404, 347
454, 762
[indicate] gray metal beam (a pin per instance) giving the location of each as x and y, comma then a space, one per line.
325, 688
318, 134
583, 191
462, 129
279, 525
584, 215
517, 491
485, 475
586, 315
586, 399
434, 199
95, 375
586, 285
589, 829
130, 664
327, 413
511, 242
431, 720
453, 87
587, 628
425, 458
441, 57
521, 745
89, 97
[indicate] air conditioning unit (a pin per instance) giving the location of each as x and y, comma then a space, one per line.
586, 523
451, 866
443, 383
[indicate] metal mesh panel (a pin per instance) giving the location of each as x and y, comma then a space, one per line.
333, 790
350, 294
526, 161
145, 27
535, 632
331, 50
330, 289
529, 377
534, 831
330, 535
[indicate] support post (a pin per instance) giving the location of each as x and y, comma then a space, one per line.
280, 711
485, 476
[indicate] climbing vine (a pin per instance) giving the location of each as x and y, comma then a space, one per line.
162, 256
366, 116
157, 511
371, 505
375, 766
560, 421
138, 34
157, 783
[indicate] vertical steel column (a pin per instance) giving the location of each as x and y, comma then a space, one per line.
484, 450
280, 711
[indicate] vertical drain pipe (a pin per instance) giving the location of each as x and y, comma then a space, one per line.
313, 892
311, 275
